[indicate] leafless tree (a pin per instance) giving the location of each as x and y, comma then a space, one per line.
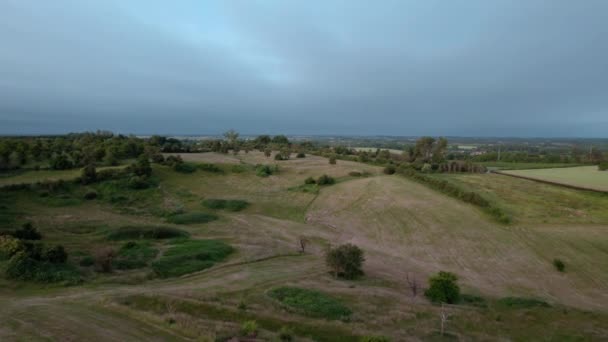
412, 284
303, 244
444, 315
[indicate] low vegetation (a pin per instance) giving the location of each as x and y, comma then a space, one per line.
187, 256
223, 204
310, 302
192, 218
145, 232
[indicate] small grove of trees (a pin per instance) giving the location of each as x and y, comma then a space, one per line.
345, 261
323, 180
443, 288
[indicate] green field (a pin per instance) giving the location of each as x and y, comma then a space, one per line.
185, 277
583, 176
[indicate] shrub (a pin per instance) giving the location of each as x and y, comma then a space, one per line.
311, 303
184, 167
23, 266
264, 170
603, 166
193, 217
141, 167
156, 233
56, 255
138, 183
443, 288
89, 174
189, 256
332, 160
27, 232
374, 339
230, 205
9, 246
389, 169
426, 168
210, 168
472, 300
310, 180
301, 155
134, 255
280, 156
250, 329
90, 195
355, 174
559, 265
523, 303
345, 261
103, 259
286, 334
325, 180
87, 261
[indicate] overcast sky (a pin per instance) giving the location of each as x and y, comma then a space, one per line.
467, 68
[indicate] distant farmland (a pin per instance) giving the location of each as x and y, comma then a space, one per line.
588, 177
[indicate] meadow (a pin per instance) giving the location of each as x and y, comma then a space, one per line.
206, 251
588, 177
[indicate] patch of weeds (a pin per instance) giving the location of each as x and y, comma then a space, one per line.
311, 303
230, 205
188, 256
210, 168
154, 233
307, 188
472, 300
134, 255
523, 303
193, 217
238, 168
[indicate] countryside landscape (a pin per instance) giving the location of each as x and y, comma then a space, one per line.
319, 171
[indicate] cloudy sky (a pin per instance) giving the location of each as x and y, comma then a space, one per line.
467, 68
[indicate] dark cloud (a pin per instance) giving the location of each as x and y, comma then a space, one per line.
524, 68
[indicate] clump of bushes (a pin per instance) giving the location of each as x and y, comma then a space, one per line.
27, 232
154, 233
250, 329
265, 170
443, 288
286, 334
311, 303
184, 167
603, 166
192, 217
230, 205
301, 155
345, 261
210, 168
325, 180
332, 160
310, 180
559, 265
188, 256
134, 255
389, 169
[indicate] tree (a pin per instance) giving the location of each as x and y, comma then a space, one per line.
439, 150
267, 152
443, 288
89, 174
332, 159
412, 283
231, 136
142, 166
303, 244
345, 261
60, 162
424, 148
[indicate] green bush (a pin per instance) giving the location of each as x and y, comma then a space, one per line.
355, 174
191, 218
559, 265
345, 261
155, 233
523, 303
311, 303
184, 167
325, 180
87, 261
134, 255
389, 169
25, 267
301, 155
286, 334
264, 170
250, 329
90, 195
310, 180
27, 232
374, 339
56, 255
230, 205
443, 288
603, 166
189, 256
210, 168
139, 182
332, 160
9, 246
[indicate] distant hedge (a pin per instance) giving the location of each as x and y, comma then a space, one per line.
455, 191
154, 233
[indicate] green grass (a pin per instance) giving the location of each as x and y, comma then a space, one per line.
230, 205
192, 218
134, 255
525, 166
144, 232
522, 303
311, 303
189, 256
583, 176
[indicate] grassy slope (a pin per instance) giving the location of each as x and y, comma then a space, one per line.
583, 176
403, 227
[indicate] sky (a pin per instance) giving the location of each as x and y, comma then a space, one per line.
428, 67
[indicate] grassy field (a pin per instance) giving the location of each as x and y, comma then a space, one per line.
525, 166
32, 176
250, 264
583, 176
